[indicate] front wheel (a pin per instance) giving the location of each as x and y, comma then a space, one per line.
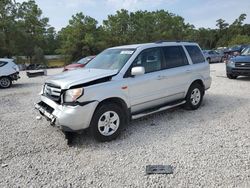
194, 96
231, 76
5, 82
107, 122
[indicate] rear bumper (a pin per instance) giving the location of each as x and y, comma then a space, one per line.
67, 118
207, 82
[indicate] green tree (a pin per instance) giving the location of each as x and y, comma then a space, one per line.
78, 39
39, 56
240, 39
8, 14
32, 28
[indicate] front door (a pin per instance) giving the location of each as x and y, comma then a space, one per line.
147, 90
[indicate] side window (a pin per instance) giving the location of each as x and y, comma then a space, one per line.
150, 59
195, 54
175, 56
2, 63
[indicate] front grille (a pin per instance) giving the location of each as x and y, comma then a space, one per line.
53, 92
242, 64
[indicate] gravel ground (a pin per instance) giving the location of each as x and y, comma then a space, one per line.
209, 147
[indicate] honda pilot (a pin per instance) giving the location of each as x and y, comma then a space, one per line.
125, 83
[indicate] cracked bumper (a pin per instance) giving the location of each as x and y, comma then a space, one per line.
67, 118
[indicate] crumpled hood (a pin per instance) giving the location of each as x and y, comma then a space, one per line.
245, 59
79, 76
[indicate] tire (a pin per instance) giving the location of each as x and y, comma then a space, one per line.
231, 76
209, 60
102, 127
194, 96
5, 82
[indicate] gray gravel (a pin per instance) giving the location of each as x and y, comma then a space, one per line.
209, 147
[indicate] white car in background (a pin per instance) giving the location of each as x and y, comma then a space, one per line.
9, 72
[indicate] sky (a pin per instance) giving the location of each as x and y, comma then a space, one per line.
200, 13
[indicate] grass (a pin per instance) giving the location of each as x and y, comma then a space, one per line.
56, 63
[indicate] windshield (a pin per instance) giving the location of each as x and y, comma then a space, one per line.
246, 51
111, 59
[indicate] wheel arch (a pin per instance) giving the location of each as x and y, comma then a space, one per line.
198, 81
120, 102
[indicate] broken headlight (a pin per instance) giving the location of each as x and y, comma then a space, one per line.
72, 95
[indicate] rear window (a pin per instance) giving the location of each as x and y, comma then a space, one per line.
175, 56
2, 63
195, 54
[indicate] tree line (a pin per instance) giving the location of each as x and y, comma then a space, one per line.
25, 31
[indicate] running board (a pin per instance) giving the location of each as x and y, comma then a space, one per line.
137, 116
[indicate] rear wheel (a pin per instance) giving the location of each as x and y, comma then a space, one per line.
107, 122
194, 96
5, 82
231, 76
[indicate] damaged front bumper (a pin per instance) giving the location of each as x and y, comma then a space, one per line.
15, 76
66, 117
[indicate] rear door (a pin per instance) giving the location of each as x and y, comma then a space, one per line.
177, 72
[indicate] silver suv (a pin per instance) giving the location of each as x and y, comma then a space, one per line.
124, 83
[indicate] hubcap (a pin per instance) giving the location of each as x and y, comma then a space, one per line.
108, 123
195, 96
4, 82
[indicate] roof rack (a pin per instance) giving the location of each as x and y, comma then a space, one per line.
161, 41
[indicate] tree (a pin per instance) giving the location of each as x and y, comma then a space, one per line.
39, 56
78, 39
221, 24
8, 13
32, 28
240, 39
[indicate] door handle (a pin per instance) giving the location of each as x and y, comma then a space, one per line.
161, 77
188, 71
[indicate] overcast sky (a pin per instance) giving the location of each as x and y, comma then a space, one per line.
200, 13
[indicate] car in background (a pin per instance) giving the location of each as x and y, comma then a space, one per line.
213, 56
36, 67
79, 64
9, 72
234, 51
239, 65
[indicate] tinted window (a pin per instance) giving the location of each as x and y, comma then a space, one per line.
195, 54
175, 56
150, 59
2, 63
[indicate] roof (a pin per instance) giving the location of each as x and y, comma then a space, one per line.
134, 46
6, 59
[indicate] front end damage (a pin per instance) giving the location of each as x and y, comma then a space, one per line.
68, 118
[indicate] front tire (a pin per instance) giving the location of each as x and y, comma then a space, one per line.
209, 60
107, 122
194, 96
5, 82
231, 76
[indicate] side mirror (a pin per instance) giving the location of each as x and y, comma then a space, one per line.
137, 71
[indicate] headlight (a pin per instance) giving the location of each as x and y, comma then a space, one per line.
72, 95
